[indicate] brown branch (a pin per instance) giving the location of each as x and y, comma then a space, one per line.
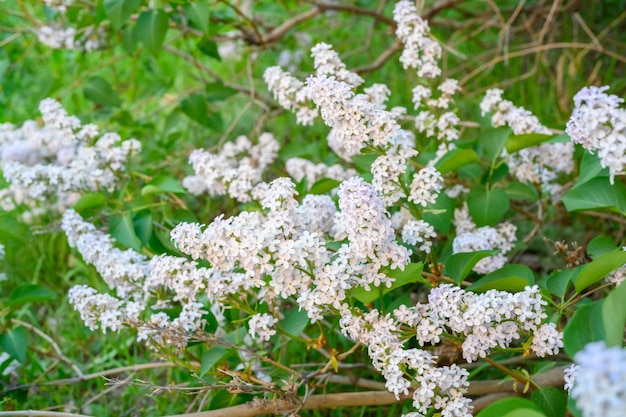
87, 377
278, 32
552, 378
382, 58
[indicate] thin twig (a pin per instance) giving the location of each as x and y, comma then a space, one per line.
54, 345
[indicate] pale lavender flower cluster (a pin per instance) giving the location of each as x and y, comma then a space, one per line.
439, 387
418, 231
234, 170
597, 381
419, 51
288, 244
426, 185
485, 321
69, 38
56, 163
136, 280
598, 124
291, 94
537, 164
470, 238
327, 63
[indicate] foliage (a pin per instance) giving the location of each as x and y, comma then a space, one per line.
318, 294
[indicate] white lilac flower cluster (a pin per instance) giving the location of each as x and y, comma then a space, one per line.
537, 164
288, 244
327, 63
493, 319
419, 51
234, 170
135, 280
598, 124
357, 123
87, 39
418, 231
299, 168
290, 94
261, 326
55, 163
470, 238
597, 380
439, 387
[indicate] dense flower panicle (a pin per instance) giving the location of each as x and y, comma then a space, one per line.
54, 164
327, 63
291, 94
598, 380
418, 231
260, 326
299, 168
599, 125
123, 270
235, 170
426, 185
316, 214
419, 51
470, 238
98, 311
538, 164
439, 387
488, 320
357, 122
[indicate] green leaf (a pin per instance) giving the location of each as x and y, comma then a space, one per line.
195, 107
551, 400
524, 412
208, 48
118, 11
151, 29
295, 322
599, 268
487, 206
440, 221
519, 142
98, 90
412, 273
143, 225
558, 282
163, 184
600, 245
122, 229
199, 14
519, 191
29, 293
508, 405
15, 343
590, 167
459, 265
492, 142
597, 193
218, 92
89, 200
614, 315
508, 278
211, 357
584, 327
455, 159
324, 185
